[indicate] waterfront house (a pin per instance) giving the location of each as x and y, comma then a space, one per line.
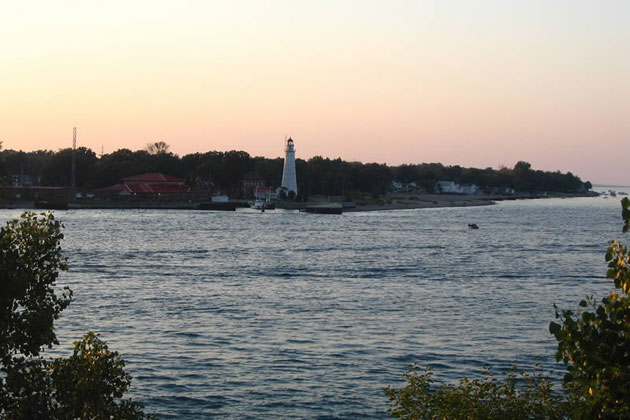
250, 183
152, 186
503, 190
446, 187
397, 186
451, 187
265, 194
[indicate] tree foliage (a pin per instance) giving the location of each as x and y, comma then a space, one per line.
317, 175
57, 168
30, 261
157, 147
90, 383
516, 396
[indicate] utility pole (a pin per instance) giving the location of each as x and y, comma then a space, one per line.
74, 163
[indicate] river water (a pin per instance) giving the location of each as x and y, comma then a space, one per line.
290, 315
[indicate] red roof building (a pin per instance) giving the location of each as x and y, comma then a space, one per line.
251, 182
153, 178
153, 186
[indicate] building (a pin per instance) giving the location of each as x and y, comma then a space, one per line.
502, 190
250, 183
152, 186
265, 194
447, 187
21, 180
450, 187
401, 187
289, 180
153, 178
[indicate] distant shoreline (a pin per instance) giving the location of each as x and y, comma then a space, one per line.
389, 202
424, 201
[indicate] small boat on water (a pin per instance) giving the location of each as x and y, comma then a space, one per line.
473, 225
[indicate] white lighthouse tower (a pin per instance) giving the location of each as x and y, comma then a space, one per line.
289, 180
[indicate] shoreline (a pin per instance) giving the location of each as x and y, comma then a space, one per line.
387, 203
425, 201
424, 204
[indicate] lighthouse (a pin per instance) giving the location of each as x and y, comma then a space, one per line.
289, 180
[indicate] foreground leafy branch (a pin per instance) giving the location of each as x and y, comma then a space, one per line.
88, 384
30, 261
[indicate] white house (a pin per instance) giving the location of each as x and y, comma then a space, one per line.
447, 187
450, 187
266, 193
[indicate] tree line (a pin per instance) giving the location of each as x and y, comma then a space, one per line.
225, 170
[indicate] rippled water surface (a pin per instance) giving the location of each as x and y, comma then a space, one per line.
289, 315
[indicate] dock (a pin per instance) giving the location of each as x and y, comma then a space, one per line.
328, 208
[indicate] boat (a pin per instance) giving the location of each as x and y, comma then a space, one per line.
473, 225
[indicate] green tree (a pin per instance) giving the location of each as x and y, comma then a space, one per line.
30, 261
595, 344
57, 167
90, 383
157, 147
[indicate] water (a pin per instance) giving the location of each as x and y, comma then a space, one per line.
289, 315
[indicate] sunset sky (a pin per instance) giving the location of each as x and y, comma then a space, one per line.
470, 83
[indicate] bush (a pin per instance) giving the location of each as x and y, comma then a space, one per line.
90, 383
518, 395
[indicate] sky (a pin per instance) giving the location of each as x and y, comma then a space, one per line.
470, 83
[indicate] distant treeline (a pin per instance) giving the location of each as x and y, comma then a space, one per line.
226, 170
